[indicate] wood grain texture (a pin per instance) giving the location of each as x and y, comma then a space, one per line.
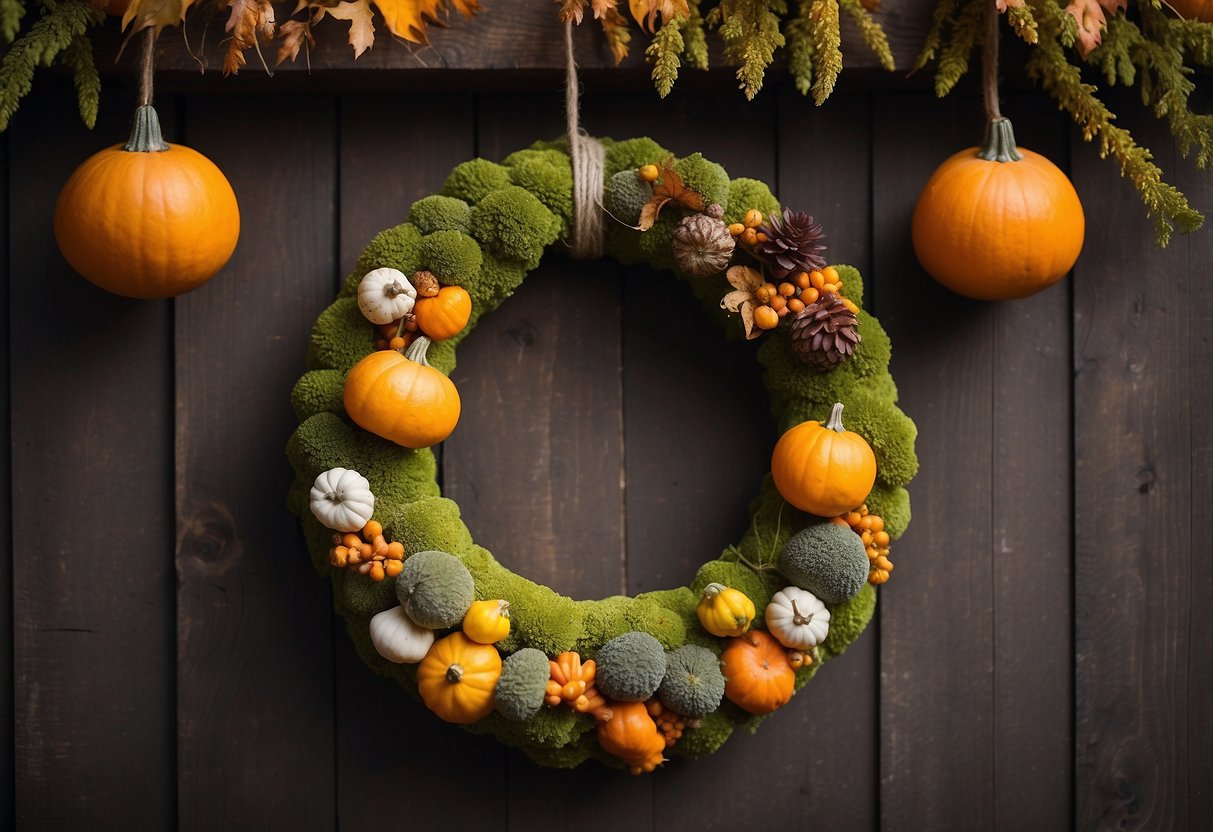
7, 761
414, 150
936, 617
1142, 678
507, 35
255, 685
92, 455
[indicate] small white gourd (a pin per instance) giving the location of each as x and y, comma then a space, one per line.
398, 639
797, 618
342, 500
385, 295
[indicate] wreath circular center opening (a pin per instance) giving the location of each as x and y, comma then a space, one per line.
631, 681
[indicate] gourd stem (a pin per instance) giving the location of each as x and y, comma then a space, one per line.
989, 62
417, 349
999, 145
713, 589
798, 619
454, 674
393, 289
145, 134
834, 423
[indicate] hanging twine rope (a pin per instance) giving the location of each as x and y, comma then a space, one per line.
989, 63
588, 157
147, 68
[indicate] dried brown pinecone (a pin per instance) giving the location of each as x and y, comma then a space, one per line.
793, 244
702, 244
825, 333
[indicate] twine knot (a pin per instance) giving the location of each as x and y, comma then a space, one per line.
587, 156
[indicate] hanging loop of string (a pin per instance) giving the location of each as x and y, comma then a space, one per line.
588, 159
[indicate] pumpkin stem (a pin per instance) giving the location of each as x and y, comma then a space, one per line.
798, 619
999, 145
417, 350
146, 136
393, 289
454, 674
713, 589
834, 423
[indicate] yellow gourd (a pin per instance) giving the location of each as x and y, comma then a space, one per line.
487, 622
457, 677
724, 611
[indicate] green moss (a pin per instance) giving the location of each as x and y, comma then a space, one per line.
712, 732
739, 577
425, 524
745, 194
630, 667
435, 589
472, 181
397, 247
318, 391
890, 433
515, 225
341, 337
625, 195
632, 154
848, 620
440, 213
693, 684
893, 505
548, 175
452, 256
356, 594
497, 280
874, 351
826, 559
705, 178
522, 685
852, 282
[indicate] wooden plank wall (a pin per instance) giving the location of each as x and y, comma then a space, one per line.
1038, 660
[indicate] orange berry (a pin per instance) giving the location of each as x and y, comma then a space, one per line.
771, 289
753, 218
365, 551
396, 343
866, 537
372, 529
377, 572
830, 274
810, 295
749, 237
392, 568
766, 318
760, 237
796, 305
817, 279
395, 550
649, 173
881, 538
779, 302
762, 294
783, 311
850, 305
787, 289
736, 229
351, 540
877, 523
802, 281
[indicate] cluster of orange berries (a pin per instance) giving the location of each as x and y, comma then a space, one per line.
870, 528
396, 335
746, 232
792, 295
669, 723
801, 658
369, 553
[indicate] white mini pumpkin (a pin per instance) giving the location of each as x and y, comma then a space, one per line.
398, 639
385, 295
342, 500
797, 619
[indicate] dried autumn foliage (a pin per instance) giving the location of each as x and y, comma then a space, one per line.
668, 188
249, 22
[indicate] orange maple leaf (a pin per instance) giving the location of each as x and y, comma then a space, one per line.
249, 21
668, 188
408, 18
155, 13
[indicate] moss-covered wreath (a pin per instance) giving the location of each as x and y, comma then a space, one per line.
643, 662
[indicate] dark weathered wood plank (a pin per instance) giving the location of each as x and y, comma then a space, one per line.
255, 688
1142, 679
7, 760
433, 134
91, 410
936, 617
1031, 539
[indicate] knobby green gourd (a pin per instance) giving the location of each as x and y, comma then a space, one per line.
490, 226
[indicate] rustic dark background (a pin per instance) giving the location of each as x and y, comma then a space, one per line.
1038, 661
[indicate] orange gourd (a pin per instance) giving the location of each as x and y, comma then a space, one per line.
1201, 10
457, 677
998, 222
632, 736
147, 219
759, 678
822, 468
445, 314
401, 397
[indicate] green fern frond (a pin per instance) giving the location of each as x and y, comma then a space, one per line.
871, 32
827, 56
750, 31
954, 59
11, 12
799, 35
695, 35
1023, 22
40, 45
663, 54
79, 56
942, 21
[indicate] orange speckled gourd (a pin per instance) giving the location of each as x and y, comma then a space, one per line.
998, 222
401, 397
148, 219
822, 468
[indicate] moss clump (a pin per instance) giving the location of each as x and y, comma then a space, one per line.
891, 434
693, 684
398, 248
625, 195
440, 213
630, 667
745, 194
318, 391
848, 620
472, 181
341, 337
852, 282
828, 560
515, 225
712, 732
705, 178
497, 280
425, 524
452, 256
548, 174
522, 685
631, 154
435, 589
356, 594
893, 505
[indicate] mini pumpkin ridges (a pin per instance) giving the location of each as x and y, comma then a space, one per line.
405, 486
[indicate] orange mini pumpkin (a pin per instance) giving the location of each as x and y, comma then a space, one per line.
759, 678
998, 222
632, 736
822, 468
444, 315
457, 677
147, 219
401, 397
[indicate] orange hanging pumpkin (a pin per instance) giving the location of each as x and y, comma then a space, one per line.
1201, 10
822, 468
445, 314
147, 219
998, 222
457, 677
759, 678
632, 736
401, 397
